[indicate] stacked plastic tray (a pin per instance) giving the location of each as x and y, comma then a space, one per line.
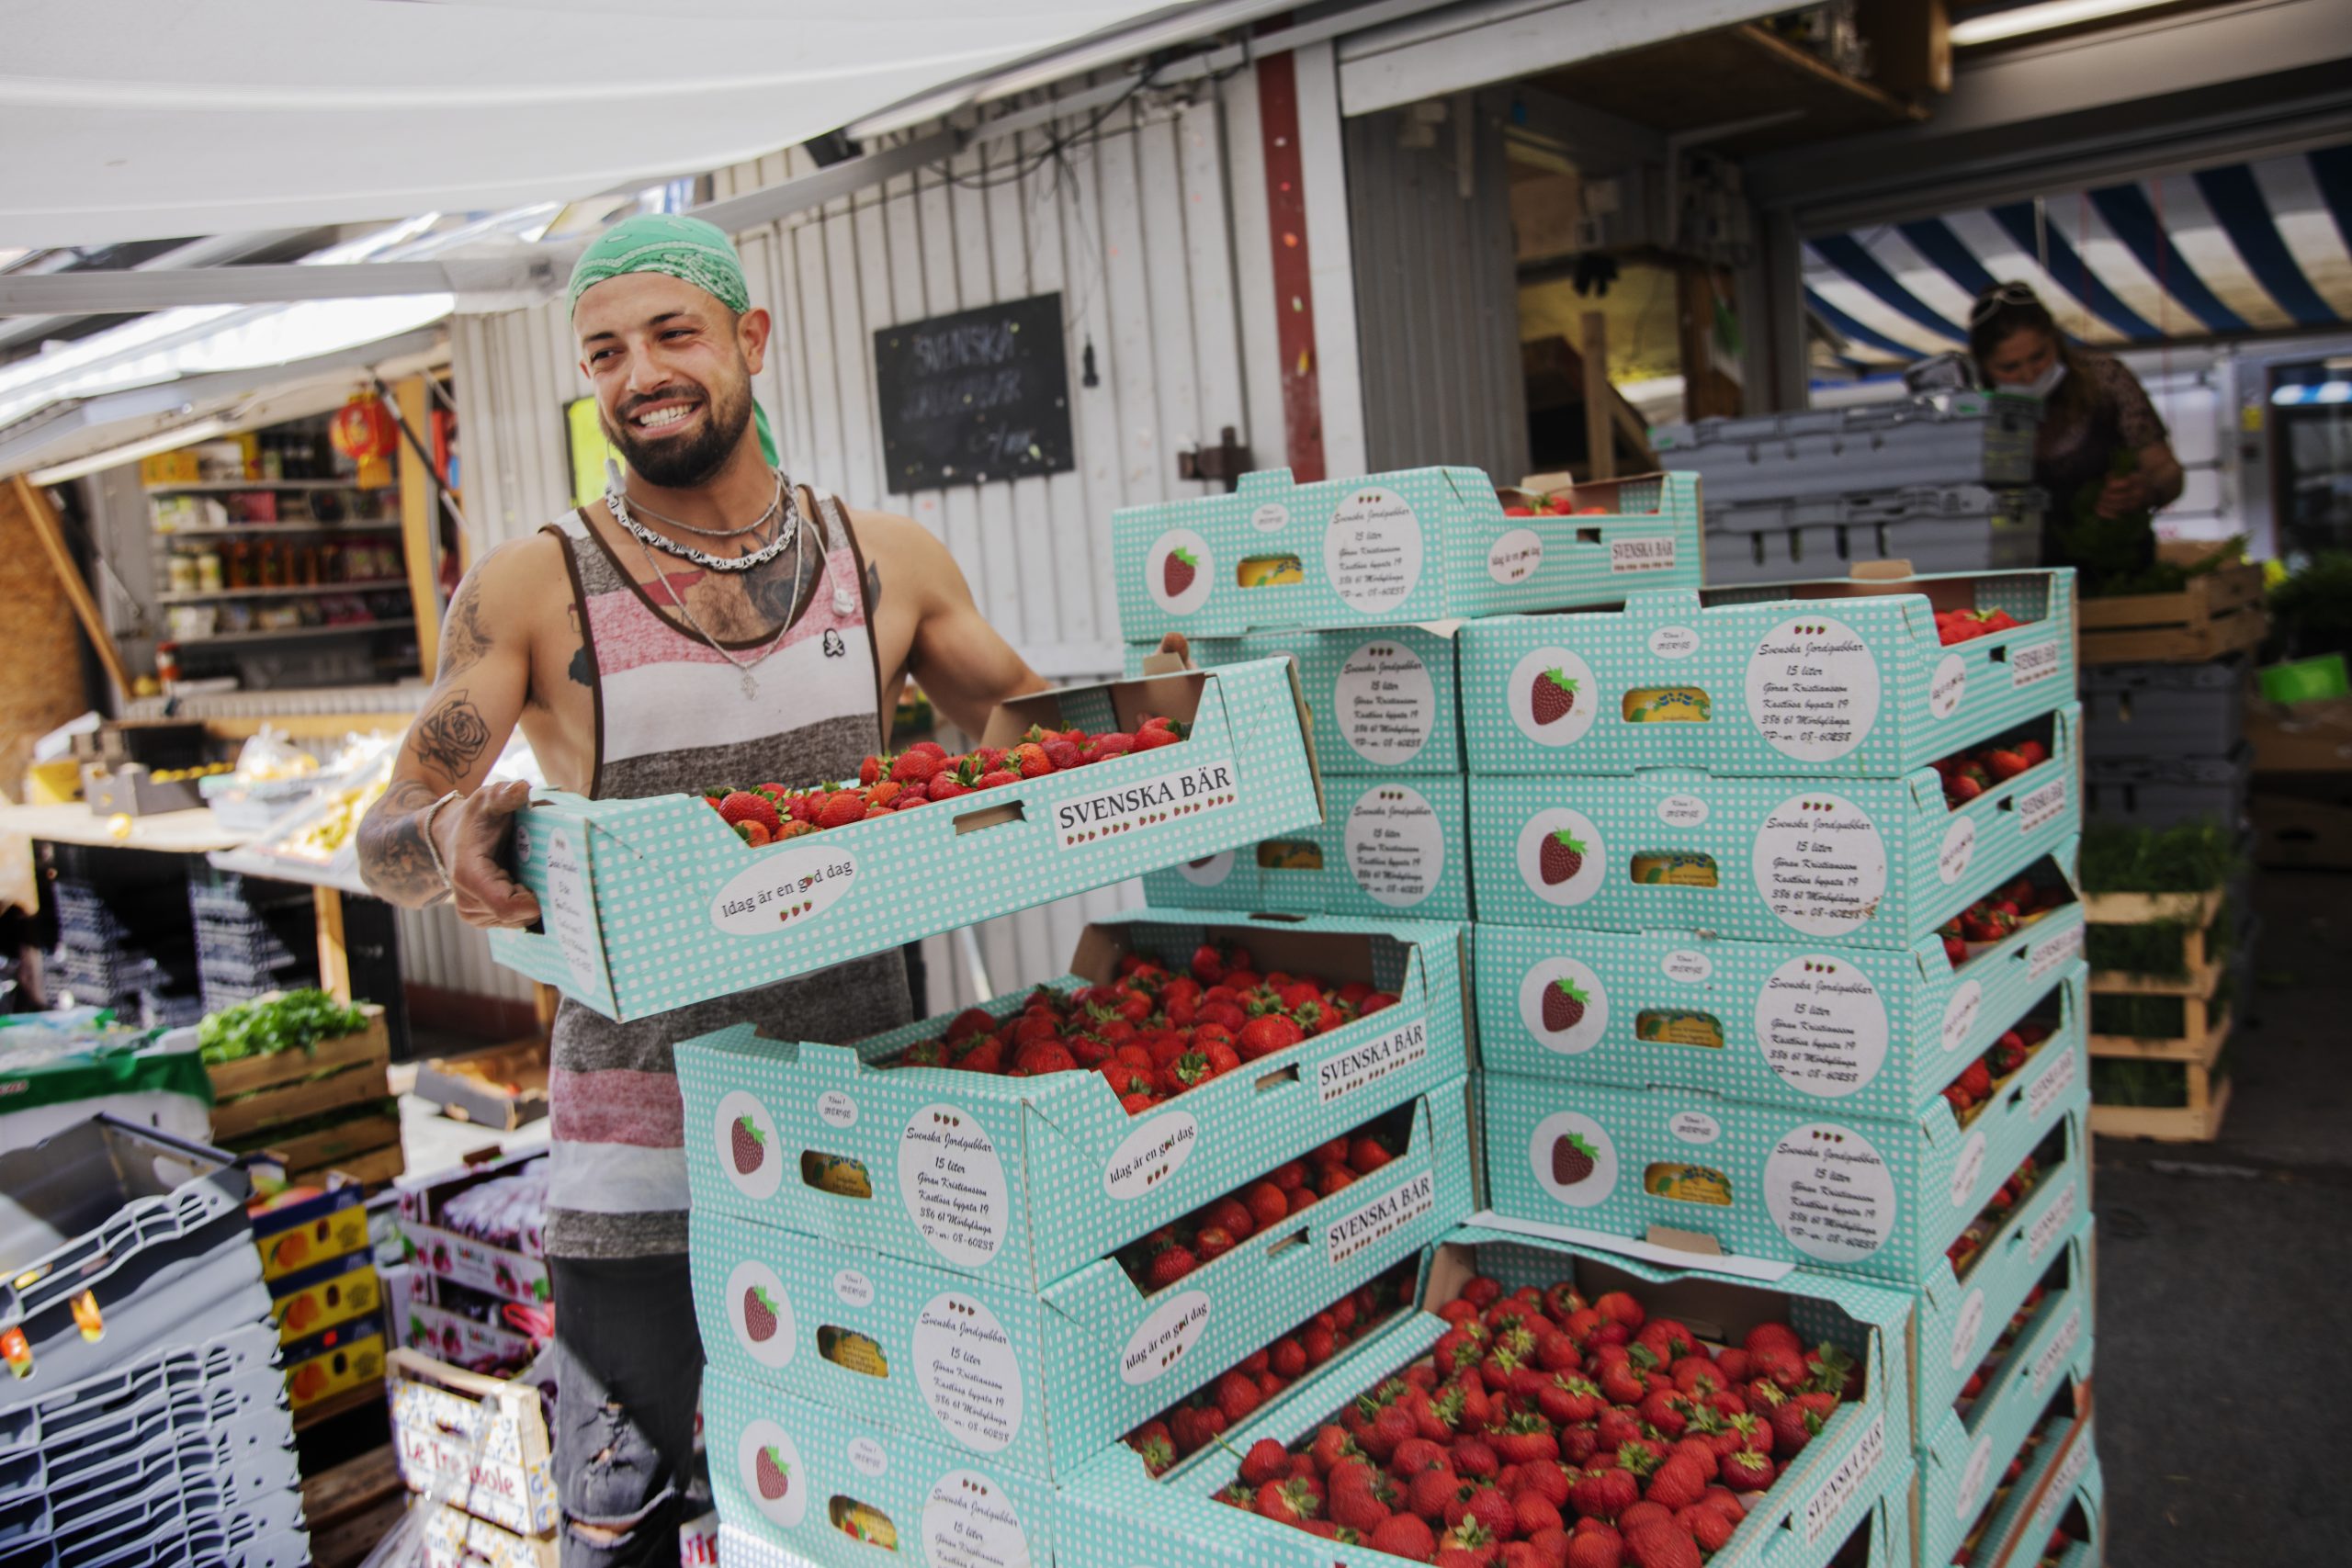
2165, 744
120, 940
145, 1421
1942, 483
252, 937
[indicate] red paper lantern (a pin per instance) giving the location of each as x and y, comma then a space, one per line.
363, 429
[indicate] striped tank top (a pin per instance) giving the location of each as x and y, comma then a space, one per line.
673, 716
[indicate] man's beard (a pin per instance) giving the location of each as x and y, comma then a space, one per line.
676, 463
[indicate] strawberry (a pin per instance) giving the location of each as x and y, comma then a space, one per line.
742, 806
1287, 1502
1677, 1484
748, 1144
2005, 764
1266, 1461
1177, 573
759, 1314
1561, 858
1366, 1156
1030, 761
1595, 1548
1151, 738
1661, 1545
1573, 1159
773, 1474
1553, 696
1268, 1203
1236, 1398
1493, 1511
1711, 1529
1404, 1535
1151, 1442
841, 809
1643, 1513
1745, 1470
1358, 1509
1564, 1003
1604, 1493
1265, 1036
1534, 1513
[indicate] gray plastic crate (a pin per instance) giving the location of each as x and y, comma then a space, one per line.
189, 1515
2153, 792
1951, 529
1979, 438
2164, 710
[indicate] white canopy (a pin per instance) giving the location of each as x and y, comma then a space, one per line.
127, 119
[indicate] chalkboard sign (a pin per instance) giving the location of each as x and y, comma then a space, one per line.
976, 396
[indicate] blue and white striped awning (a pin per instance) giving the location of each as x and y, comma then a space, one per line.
2221, 252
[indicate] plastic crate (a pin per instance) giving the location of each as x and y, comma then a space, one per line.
233, 896
140, 1235
1955, 528
2164, 792
2164, 710
1972, 438
170, 1009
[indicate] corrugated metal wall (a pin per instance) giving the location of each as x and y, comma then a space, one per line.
1135, 223
1437, 295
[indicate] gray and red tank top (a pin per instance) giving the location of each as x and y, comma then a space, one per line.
674, 716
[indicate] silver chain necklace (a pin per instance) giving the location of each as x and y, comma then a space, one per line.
617, 504
616, 484
743, 667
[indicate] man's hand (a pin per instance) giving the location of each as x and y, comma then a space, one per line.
471, 834
2124, 495
1174, 643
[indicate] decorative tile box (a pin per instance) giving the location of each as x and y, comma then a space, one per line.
1390, 845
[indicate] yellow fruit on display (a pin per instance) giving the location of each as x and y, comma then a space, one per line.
118, 828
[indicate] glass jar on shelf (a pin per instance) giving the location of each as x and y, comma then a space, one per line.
179, 572
208, 570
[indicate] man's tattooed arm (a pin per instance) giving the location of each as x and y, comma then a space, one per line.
464, 639
392, 854
451, 738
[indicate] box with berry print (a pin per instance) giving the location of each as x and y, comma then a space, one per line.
2044, 1382
1881, 1033
2050, 1511
1387, 846
1416, 545
1846, 678
1814, 1187
1875, 862
1689, 1418
651, 904
1185, 1055
1382, 698
2035, 1258
1041, 1380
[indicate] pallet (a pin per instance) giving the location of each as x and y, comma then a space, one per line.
2202, 971
351, 1508
2197, 1054
2216, 614
2144, 908
261, 1092
2166, 1123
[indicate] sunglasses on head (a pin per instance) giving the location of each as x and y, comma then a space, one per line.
2003, 294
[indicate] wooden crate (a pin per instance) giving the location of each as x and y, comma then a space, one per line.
2218, 614
2193, 1123
2197, 1053
261, 1092
2202, 969
503, 1086
365, 1148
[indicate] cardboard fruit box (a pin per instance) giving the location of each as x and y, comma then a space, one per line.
2046, 1380
2062, 1487
1389, 845
335, 1291
1118, 1514
519, 1273
1875, 862
1679, 1169
1415, 546
1873, 1032
1040, 1381
485, 1433
1022, 1180
652, 903
1841, 679
1963, 1310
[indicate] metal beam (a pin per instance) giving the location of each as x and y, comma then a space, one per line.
755, 209
112, 293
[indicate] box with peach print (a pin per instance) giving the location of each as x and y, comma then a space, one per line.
1849, 678
1186, 1054
1389, 845
1041, 1381
1667, 1168
651, 904
1412, 546
1869, 862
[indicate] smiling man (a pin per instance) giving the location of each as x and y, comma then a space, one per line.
710, 621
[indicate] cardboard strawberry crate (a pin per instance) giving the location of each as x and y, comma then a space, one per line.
1873, 1032
2061, 1490
486, 1433
1667, 1170
2047, 1380
1041, 1381
1876, 863
1382, 698
1416, 545
650, 905
1025, 1180
1389, 845
1828, 1493
1840, 679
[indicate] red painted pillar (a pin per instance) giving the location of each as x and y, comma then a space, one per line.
1293, 286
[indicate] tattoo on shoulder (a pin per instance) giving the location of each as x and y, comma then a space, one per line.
873, 589
452, 737
464, 638
584, 668
781, 587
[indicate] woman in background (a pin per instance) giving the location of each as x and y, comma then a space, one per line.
2102, 454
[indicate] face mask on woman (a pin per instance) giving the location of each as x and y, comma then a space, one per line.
2041, 386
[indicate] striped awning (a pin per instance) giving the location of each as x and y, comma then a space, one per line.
2220, 252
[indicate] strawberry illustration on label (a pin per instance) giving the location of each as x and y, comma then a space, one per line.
759, 1316
774, 1476
749, 1145
1564, 1006
1178, 571
1563, 858
1555, 694
1572, 1160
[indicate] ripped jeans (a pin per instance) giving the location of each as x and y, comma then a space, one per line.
628, 1369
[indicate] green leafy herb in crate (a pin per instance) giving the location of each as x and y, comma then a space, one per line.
295, 1021
287, 1132
2156, 1085
2189, 858
2152, 1018
2159, 949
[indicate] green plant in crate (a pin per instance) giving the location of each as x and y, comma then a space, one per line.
2189, 858
2159, 948
2311, 612
269, 1026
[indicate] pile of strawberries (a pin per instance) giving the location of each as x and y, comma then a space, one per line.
1982, 1077
1559, 503
2061, 1538
1152, 1032
1996, 916
2000, 1352
1968, 774
1208, 1233
1192, 1423
1966, 625
1965, 1248
1544, 1430
923, 772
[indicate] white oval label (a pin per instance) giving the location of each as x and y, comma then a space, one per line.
1149, 1154
1674, 642
969, 1522
1561, 857
1695, 1127
784, 888
1552, 698
1514, 556
749, 1150
1371, 551
1163, 1338
969, 1376
1958, 849
953, 1185
1969, 1170
835, 1109
1179, 572
1386, 703
1207, 872
1813, 689
1964, 1331
1821, 1025
1820, 864
1270, 518
1959, 1013
1564, 1006
1682, 811
1688, 964
867, 1457
854, 1287
1947, 686
1971, 1482
1395, 845
1830, 1192
760, 1312
1574, 1159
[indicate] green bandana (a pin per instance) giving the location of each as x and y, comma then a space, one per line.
685, 248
